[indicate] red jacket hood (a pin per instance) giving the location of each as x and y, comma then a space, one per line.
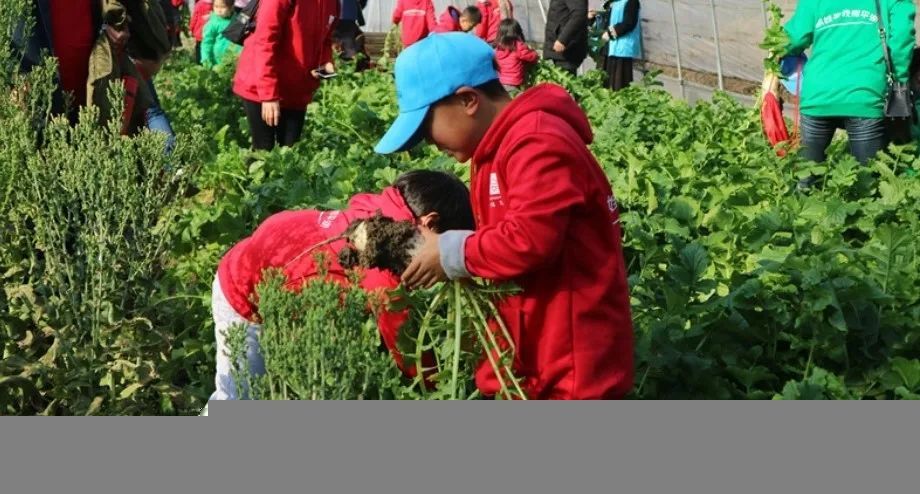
546, 98
389, 202
448, 21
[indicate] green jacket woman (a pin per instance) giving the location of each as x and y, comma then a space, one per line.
845, 80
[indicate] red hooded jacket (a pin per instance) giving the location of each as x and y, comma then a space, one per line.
512, 63
548, 221
292, 38
449, 21
491, 16
199, 18
417, 19
287, 241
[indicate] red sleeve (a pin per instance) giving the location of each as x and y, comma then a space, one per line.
193, 20
377, 284
273, 14
495, 18
398, 12
430, 17
389, 323
525, 53
541, 196
482, 29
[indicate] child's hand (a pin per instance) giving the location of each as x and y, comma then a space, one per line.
558, 47
425, 269
271, 113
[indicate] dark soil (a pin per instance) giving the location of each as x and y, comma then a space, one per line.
389, 243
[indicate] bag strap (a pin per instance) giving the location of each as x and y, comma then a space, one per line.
884, 36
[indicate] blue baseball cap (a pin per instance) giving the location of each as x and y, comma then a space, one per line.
429, 71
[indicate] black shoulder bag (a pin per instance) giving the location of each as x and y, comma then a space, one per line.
898, 104
243, 24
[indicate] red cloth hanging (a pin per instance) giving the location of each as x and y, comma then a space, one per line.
774, 125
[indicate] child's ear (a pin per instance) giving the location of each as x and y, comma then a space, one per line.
431, 221
469, 99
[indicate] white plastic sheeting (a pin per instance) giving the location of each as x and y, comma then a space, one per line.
713, 36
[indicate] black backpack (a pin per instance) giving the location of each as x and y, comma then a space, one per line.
243, 24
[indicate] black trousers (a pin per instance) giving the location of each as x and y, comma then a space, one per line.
570, 67
619, 72
350, 38
288, 131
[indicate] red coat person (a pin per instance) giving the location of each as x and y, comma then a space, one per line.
292, 38
547, 220
199, 18
449, 21
493, 11
416, 18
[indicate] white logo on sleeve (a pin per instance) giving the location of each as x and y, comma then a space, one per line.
495, 192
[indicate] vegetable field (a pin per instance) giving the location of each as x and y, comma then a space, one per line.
742, 286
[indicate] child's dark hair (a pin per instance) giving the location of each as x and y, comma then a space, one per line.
509, 33
493, 89
226, 3
473, 13
429, 191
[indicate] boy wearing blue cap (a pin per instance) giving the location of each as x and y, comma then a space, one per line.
546, 217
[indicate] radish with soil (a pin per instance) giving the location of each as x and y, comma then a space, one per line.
381, 242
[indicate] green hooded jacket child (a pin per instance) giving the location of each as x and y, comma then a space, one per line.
213, 43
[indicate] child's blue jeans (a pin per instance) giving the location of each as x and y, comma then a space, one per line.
157, 120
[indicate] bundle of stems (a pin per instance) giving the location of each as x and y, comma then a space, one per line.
469, 308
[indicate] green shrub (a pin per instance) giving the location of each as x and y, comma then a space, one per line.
85, 220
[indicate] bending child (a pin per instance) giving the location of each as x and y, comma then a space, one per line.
435, 201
